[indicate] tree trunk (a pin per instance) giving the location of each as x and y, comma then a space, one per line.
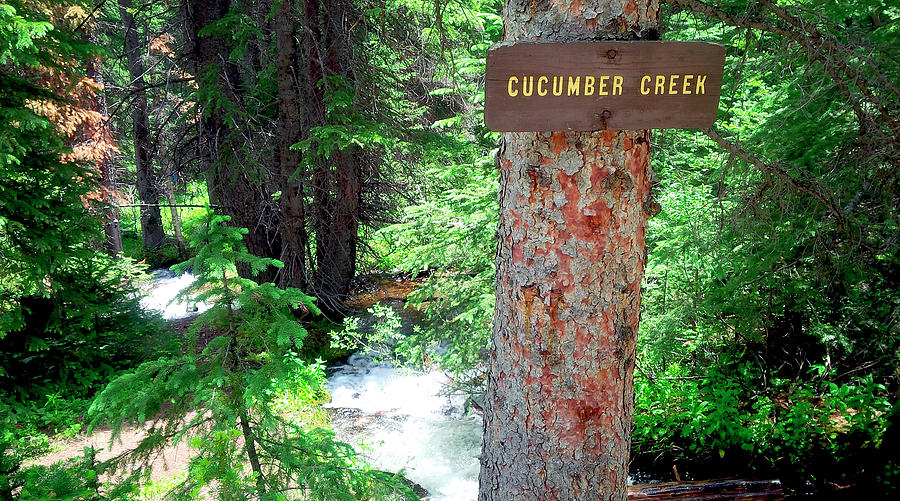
242, 192
573, 214
107, 168
176, 219
336, 185
250, 446
152, 234
337, 198
293, 210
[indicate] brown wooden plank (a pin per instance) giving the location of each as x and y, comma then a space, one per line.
628, 67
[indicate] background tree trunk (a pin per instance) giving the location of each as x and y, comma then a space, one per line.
289, 131
176, 218
107, 168
152, 234
242, 192
573, 213
335, 181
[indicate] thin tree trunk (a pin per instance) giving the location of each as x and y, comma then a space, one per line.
107, 168
293, 211
252, 456
176, 219
573, 214
152, 234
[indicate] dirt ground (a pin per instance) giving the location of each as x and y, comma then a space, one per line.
169, 462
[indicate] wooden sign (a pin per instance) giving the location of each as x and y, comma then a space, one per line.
539, 86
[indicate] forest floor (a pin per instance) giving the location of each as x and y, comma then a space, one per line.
169, 462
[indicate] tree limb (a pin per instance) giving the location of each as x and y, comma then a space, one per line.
818, 48
778, 171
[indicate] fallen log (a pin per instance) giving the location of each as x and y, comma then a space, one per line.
709, 490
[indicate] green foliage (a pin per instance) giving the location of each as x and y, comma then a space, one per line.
452, 236
76, 479
17, 37
230, 383
68, 313
805, 430
450, 232
380, 342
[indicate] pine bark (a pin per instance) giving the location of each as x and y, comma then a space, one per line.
293, 211
336, 186
107, 167
573, 215
242, 192
153, 235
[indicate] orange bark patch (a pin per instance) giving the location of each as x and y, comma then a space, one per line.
630, 10
608, 136
598, 216
598, 174
559, 142
576, 7
636, 161
564, 262
517, 254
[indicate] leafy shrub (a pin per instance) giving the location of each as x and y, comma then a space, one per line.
794, 428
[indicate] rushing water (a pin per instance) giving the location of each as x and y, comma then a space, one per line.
160, 293
399, 419
403, 419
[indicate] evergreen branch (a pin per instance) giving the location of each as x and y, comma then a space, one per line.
818, 48
826, 48
778, 171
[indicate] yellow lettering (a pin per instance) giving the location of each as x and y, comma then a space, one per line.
686, 88
541, 82
701, 84
601, 89
660, 87
644, 81
574, 85
617, 85
557, 90
673, 82
527, 86
588, 86
509, 86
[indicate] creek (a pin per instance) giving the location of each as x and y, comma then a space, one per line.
397, 418
401, 419
161, 295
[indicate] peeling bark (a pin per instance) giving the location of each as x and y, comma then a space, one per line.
573, 215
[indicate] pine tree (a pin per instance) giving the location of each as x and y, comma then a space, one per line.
222, 387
